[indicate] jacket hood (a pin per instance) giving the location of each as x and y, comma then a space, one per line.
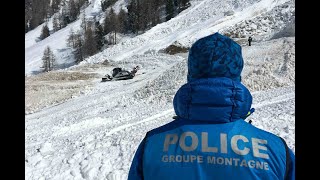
218, 100
215, 56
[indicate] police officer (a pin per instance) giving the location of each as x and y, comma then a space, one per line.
209, 139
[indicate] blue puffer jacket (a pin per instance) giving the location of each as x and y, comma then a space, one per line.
210, 139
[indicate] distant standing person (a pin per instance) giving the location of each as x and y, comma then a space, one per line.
250, 39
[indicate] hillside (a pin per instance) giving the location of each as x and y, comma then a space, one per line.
259, 18
77, 127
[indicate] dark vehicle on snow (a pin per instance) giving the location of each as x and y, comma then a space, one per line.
120, 74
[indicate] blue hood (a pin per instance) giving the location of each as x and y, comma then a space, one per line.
215, 56
218, 100
212, 104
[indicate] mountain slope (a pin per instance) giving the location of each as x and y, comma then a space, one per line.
95, 135
204, 17
79, 128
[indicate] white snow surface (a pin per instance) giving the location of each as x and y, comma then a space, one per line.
94, 133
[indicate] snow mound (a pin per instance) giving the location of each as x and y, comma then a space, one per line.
264, 25
271, 64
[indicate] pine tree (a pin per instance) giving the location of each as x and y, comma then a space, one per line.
55, 23
103, 5
52, 61
113, 24
169, 9
26, 27
154, 12
83, 24
107, 3
123, 21
48, 60
78, 50
55, 6
37, 12
81, 5
90, 45
73, 10
71, 41
99, 35
146, 11
139, 23
84, 3
27, 15
106, 24
63, 19
44, 32
35, 16
184, 4
133, 16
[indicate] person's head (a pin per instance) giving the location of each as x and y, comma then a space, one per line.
215, 56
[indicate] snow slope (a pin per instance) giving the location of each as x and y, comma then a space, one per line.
201, 19
204, 17
56, 41
94, 134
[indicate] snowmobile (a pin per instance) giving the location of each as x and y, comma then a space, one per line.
120, 74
